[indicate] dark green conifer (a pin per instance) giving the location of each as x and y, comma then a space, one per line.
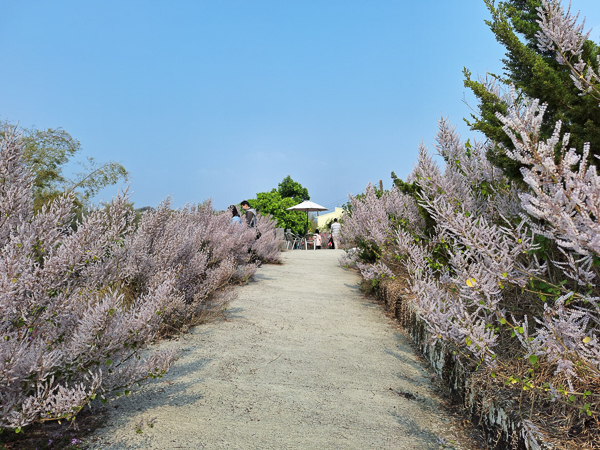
535, 74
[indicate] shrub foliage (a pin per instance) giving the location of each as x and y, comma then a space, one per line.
78, 305
505, 272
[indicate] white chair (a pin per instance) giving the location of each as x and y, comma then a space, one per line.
289, 240
309, 239
298, 241
292, 240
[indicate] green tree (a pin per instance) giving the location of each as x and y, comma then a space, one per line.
276, 205
276, 202
293, 189
535, 74
46, 152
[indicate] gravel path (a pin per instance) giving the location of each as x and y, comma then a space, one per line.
302, 361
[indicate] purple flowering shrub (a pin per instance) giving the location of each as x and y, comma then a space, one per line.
201, 248
509, 276
519, 277
267, 246
78, 306
560, 33
204, 250
66, 335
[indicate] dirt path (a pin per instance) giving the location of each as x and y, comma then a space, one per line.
303, 361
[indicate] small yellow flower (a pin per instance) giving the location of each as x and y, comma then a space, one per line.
471, 282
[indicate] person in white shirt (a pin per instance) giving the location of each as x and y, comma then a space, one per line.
336, 228
317, 239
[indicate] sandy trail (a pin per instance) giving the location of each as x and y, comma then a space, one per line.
303, 361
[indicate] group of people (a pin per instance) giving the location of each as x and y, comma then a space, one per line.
334, 241
250, 217
250, 214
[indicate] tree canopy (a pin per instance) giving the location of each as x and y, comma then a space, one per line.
276, 202
276, 205
293, 189
46, 152
535, 74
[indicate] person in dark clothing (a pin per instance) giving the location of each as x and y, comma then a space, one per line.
250, 214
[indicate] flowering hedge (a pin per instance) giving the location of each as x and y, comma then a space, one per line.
77, 306
506, 273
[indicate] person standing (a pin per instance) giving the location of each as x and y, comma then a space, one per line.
250, 214
336, 229
235, 215
317, 239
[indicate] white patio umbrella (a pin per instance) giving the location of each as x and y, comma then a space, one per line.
307, 206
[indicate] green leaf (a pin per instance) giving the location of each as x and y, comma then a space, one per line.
533, 359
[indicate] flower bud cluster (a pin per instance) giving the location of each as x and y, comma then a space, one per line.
560, 33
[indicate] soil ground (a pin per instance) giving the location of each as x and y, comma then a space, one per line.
302, 360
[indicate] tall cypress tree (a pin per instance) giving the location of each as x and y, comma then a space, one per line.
535, 74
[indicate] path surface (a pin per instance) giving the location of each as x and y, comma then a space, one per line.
303, 361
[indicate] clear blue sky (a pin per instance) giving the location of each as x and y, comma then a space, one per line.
222, 99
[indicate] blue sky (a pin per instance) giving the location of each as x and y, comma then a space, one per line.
223, 99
